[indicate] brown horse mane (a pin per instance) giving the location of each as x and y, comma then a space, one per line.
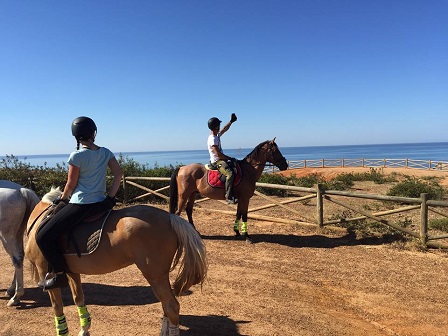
252, 155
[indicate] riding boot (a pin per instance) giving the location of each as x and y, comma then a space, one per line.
229, 190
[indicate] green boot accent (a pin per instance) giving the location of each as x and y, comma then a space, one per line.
61, 325
84, 317
236, 227
243, 228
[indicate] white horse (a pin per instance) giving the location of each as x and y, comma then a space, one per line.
16, 205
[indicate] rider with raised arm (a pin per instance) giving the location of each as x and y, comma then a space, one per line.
217, 158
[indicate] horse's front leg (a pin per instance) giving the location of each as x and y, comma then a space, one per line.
58, 308
236, 225
78, 298
243, 206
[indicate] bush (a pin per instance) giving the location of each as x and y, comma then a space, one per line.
273, 179
439, 224
413, 187
42, 178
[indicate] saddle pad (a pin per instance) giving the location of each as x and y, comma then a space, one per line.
84, 237
213, 177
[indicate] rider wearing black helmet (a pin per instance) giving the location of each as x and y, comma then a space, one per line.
217, 158
84, 194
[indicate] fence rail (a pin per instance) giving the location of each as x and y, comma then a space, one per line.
365, 163
322, 197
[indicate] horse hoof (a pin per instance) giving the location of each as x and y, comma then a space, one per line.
248, 239
237, 233
10, 292
13, 302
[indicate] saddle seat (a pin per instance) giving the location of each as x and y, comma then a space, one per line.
217, 180
84, 237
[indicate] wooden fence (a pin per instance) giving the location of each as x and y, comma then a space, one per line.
291, 215
366, 163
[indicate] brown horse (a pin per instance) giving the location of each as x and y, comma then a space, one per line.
152, 239
189, 180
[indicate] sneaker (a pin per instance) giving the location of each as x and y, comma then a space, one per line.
56, 281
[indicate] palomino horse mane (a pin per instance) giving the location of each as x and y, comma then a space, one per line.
51, 195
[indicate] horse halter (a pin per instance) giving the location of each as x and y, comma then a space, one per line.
275, 161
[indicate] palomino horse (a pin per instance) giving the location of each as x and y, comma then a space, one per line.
189, 180
152, 239
16, 204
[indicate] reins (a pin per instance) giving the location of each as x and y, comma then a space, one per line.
35, 220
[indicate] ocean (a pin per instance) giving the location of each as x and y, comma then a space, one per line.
437, 151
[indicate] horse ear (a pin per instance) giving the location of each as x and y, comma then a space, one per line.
273, 140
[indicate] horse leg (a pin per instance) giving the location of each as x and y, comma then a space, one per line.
161, 288
58, 308
242, 208
236, 225
78, 298
16, 290
189, 208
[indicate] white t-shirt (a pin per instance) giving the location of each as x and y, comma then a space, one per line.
213, 140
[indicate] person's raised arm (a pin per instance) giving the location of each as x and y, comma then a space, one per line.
226, 127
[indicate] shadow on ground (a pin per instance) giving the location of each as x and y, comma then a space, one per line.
210, 325
315, 241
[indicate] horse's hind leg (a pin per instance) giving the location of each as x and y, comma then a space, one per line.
189, 208
162, 290
16, 290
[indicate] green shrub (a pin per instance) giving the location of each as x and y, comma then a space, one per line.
439, 224
42, 178
273, 179
413, 187
308, 181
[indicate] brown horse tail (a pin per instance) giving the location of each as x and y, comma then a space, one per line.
190, 256
173, 191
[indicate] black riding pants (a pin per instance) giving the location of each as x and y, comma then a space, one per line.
62, 222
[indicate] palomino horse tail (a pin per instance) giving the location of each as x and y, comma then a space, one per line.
193, 265
173, 191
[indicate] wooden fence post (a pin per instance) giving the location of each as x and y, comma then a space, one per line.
424, 218
125, 191
320, 205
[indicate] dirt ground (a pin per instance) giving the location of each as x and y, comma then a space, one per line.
293, 280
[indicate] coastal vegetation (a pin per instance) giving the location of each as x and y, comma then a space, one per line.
42, 178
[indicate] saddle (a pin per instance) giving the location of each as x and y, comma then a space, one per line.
84, 237
217, 180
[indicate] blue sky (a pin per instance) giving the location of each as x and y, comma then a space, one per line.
151, 73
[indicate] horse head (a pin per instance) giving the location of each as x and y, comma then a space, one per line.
274, 156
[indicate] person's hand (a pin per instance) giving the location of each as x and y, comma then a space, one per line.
59, 199
109, 202
233, 118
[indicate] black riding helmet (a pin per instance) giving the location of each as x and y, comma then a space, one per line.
83, 128
213, 123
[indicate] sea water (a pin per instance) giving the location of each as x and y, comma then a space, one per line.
414, 151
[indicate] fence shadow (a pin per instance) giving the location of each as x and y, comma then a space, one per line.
316, 241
